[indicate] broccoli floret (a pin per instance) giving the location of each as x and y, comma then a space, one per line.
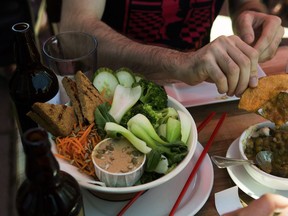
156, 117
153, 94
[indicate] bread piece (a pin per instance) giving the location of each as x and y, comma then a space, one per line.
88, 95
72, 92
58, 119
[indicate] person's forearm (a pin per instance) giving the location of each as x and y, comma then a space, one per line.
116, 50
238, 6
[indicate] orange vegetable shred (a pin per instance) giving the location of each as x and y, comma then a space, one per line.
77, 148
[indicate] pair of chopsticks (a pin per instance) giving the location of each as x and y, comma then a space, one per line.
194, 171
200, 159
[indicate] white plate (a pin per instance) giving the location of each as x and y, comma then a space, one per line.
159, 201
201, 94
243, 180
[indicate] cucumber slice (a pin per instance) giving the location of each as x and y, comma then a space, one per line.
105, 82
138, 77
125, 77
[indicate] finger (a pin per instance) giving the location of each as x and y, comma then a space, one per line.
219, 78
269, 33
270, 51
246, 31
231, 69
246, 59
253, 57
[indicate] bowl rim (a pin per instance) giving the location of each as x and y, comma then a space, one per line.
245, 136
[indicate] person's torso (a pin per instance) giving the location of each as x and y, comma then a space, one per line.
179, 24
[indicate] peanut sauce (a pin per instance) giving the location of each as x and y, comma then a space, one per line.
118, 156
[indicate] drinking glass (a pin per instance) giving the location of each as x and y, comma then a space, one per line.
68, 52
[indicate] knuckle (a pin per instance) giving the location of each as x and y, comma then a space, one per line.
254, 54
277, 20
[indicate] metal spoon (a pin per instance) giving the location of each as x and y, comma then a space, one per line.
263, 160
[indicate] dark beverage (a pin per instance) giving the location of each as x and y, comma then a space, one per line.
47, 191
32, 81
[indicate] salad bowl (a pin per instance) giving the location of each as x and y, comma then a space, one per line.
124, 193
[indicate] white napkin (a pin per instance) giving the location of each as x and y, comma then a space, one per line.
227, 200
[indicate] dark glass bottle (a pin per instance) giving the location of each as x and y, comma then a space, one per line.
47, 191
32, 81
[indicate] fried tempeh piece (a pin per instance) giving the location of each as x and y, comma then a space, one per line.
88, 95
58, 119
72, 92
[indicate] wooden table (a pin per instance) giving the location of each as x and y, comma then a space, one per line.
235, 123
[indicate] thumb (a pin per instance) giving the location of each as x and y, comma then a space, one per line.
245, 30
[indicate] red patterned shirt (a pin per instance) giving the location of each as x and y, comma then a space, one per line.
179, 24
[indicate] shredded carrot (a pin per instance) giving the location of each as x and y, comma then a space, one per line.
77, 148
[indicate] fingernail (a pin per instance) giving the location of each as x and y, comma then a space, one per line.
253, 82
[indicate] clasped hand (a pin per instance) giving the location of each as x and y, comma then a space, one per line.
231, 61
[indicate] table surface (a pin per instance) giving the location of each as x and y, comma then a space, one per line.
234, 124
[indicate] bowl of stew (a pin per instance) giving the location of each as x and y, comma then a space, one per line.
262, 137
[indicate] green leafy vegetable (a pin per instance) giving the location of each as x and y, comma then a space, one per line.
174, 152
186, 126
102, 116
123, 99
156, 117
114, 129
173, 130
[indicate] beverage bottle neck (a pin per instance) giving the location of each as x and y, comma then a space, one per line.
41, 166
27, 54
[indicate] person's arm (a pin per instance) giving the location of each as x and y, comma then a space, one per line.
227, 61
114, 49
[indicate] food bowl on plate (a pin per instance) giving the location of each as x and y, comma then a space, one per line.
262, 137
124, 193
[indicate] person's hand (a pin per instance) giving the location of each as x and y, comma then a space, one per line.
227, 61
266, 205
262, 31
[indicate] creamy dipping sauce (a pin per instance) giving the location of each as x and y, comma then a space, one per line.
118, 156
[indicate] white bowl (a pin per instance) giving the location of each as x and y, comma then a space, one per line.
272, 181
116, 179
124, 193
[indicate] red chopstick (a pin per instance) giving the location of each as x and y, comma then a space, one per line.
125, 208
206, 121
199, 128
197, 165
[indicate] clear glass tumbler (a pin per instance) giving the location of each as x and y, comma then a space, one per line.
68, 52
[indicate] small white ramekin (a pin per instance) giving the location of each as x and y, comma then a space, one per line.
117, 179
